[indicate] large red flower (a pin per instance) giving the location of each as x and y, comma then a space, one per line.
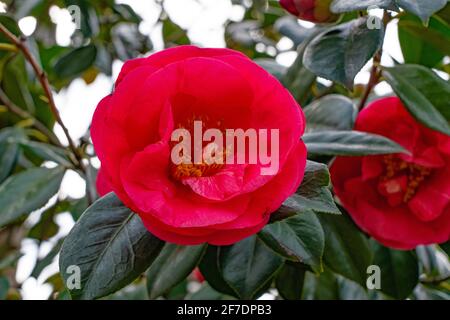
401, 200
132, 129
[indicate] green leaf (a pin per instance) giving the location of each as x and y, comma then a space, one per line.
111, 247
446, 247
46, 152
299, 238
332, 112
132, 292
329, 286
289, 281
423, 45
14, 84
320, 287
298, 79
248, 267
4, 288
314, 193
128, 41
340, 52
46, 227
273, 67
208, 293
347, 251
75, 62
171, 267
173, 33
424, 94
349, 143
342, 6
27, 191
288, 26
9, 151
423, 9
399, 271
41, 264
210, 268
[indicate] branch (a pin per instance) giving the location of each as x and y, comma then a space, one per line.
375, 75
19, 43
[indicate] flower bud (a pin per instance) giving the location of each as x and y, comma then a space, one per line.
317, 11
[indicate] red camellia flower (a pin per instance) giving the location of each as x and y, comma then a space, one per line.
200, 202
317, 11
401, 200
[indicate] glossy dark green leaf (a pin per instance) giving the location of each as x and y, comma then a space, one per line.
27, 191
330, 286
347, 251
341, 6
9, 151
423, 9
322, 286
111, 247
339, 53
211, 270
299, 238
332, 112
399, 271
172, 266
314, 193
248, 266
289, 281
424, 94
75, 62
47, 152
349, 143
14, 84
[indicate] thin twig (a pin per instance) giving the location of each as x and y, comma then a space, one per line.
42, 76
375, 72
375, 75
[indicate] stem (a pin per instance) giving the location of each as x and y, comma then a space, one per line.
375, 72
375, 75
10, 106
42, 76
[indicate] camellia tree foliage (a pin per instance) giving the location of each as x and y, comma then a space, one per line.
311, 248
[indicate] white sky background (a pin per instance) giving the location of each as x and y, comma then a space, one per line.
204, 20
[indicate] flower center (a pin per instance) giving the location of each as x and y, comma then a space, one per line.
401, 179
209, 164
